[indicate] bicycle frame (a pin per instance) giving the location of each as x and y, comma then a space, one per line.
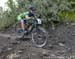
34, 24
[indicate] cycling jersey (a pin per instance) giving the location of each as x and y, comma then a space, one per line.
21, 16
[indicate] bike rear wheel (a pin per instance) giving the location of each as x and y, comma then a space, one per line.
39, 37
17, 30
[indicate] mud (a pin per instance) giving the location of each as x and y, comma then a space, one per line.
60, 45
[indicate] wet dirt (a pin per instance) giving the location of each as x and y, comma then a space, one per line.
60, 45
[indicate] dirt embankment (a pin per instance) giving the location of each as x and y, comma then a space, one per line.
61, 44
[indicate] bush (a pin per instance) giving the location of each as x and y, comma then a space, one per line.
49, 10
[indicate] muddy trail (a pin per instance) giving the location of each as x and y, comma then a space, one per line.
60, 45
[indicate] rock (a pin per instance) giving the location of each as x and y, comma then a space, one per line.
13, 55
53, 28
20, 51
61, 57
58, 53
67, 23
61, 44
56, 38
73, 24
50, 46
45, 53
73, 34
9, 49
33, 54
6, 49
53, 55
69, 49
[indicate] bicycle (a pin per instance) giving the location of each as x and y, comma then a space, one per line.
39, 35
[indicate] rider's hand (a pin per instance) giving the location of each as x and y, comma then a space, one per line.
32, 17
27, 17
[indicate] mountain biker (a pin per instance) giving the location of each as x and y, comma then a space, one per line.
23, 17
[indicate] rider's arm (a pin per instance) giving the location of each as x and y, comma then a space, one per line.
27, 17
19, 18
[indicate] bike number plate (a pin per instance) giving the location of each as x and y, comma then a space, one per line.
39, 21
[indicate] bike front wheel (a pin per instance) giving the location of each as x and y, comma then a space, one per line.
39, 37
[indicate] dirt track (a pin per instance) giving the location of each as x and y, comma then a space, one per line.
61, 45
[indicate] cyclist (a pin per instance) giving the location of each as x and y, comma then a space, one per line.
23, 17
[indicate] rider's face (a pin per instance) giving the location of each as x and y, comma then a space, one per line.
31, 11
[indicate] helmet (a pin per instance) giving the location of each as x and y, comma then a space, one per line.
32, 8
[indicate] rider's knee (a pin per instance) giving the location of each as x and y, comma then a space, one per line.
22, 21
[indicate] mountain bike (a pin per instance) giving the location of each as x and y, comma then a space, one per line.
39, 35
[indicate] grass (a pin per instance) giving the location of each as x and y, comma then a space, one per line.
68, 16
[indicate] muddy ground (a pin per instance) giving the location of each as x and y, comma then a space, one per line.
61, 45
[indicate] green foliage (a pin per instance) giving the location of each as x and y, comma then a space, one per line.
49, 10
8, 17
67, 16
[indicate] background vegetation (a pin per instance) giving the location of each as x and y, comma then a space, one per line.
49, 10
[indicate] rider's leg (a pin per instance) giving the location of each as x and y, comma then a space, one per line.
22, 25
30, 27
